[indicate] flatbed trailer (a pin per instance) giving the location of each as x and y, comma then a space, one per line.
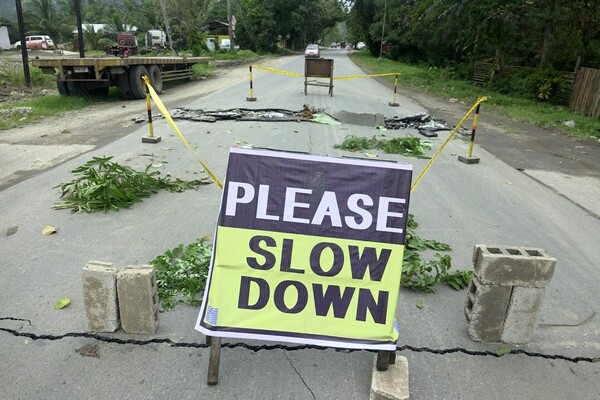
95, 75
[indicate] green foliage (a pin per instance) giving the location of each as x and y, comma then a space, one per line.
408, 146
425, 275
102, 185
204, 70
526, 33
550, 86
181, 273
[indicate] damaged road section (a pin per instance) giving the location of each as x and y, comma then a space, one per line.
240, 114
423, 122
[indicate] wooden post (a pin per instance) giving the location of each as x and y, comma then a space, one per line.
384, 359
214, 360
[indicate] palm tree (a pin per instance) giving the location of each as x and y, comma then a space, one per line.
44, 17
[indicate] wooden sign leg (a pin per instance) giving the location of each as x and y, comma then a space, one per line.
384, 359
213, 360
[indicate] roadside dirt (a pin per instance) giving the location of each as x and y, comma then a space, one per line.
29, 149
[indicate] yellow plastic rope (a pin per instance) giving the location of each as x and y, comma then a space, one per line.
437, 153
167, 116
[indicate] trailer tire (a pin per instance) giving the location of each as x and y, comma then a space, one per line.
62, 87
122, 42
155, 78
138, 87
79, 89
124, 86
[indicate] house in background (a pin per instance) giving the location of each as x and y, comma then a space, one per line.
4, 39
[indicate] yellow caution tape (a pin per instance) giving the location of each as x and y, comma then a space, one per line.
364, 76
167, 116
295, 74
278, 71
437, 153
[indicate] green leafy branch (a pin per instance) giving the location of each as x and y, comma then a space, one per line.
421, 275
408, 145
103, 185
181, 273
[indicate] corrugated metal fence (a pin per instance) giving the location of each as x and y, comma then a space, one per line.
586, 92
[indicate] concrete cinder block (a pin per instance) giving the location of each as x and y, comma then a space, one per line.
138, 299
512, 266
485, 310
100, 296
390, 384
521, 316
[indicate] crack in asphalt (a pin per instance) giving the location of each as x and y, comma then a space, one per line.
299, 376
256, 349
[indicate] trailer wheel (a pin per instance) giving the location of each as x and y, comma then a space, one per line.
155, 78
79, 89
138, 87
124, 86
62, 87
122, 42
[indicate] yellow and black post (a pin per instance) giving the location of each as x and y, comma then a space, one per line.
469, 159
393, 102
251, 98
150, 138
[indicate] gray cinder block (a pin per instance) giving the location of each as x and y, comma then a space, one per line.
486, 310
390, 384
521, 317
138, 299
100, 296
512, 266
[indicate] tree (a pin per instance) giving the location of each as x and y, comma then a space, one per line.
43, 17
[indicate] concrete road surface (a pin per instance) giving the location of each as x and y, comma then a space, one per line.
463, 205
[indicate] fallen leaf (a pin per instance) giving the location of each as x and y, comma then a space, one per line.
419, 304
12, 230
371, 155
88, 350
48, 230
508, 183
62, 303
503, 351
157, 165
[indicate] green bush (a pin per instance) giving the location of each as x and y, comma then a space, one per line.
549, 85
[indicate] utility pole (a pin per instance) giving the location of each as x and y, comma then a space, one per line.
80, 43
23, 43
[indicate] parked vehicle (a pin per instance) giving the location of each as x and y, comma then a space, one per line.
94, 76
37, 42
360, 45
156, 39
312, 51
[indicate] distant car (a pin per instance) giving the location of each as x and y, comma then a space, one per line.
312, 51
360, 45
43, 42
333, 45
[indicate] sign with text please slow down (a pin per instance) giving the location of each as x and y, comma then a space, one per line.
308, 249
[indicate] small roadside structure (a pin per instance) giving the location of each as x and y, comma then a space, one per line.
4, 39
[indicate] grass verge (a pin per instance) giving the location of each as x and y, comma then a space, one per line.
24, 112
432, 81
